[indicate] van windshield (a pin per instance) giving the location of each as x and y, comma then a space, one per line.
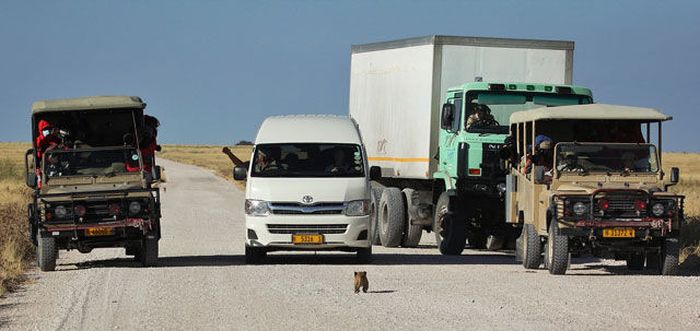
307, 160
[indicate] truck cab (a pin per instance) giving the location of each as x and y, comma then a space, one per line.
94, 185
597, 187
473, 130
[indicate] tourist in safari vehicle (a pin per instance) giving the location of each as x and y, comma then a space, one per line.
584, 179
93, 185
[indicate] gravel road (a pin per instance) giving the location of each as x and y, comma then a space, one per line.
202, 283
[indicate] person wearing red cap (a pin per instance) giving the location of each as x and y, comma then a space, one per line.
47, 138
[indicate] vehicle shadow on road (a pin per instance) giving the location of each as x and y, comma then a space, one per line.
596, 267
392, 259
165, 262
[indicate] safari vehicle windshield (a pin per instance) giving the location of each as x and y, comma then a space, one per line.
609, 158
308, 160
489, 112
91, 162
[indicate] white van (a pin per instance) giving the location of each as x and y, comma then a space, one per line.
307, 187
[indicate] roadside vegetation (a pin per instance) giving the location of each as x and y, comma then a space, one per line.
15, 248
206, 156
689, 186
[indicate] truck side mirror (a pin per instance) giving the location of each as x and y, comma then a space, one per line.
31, 179
157, 173
675, 175
447, 116
539, 174
240, 173
375, 173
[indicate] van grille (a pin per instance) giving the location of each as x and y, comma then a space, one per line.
307, 228
295, 208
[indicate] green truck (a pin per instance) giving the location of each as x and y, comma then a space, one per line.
434, 116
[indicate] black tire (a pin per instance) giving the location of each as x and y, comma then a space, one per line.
412, 232
374, 218
653, 261
364, 255
669, 257
46, 252
392, 217
532, 248
557, 251
254, 255
148, 255
635, 261
450, 229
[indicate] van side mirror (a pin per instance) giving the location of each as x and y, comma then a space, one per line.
675, 175
240, 173
447, 116
375, 173
156, 172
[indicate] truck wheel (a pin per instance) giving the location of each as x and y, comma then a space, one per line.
532, 250
374, 218
364, 255
450, 230
557, 251
46, 252
149, 252
669, 257
635, 261
413, 232
392, 217
653, 261
254, 255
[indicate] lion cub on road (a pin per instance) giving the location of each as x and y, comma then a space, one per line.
361, 281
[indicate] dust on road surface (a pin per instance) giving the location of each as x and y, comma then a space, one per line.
202, 283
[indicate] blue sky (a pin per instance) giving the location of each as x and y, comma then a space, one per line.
212, 70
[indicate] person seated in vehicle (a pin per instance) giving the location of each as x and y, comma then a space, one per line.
544, 154
269, 159
569, 163
480, 117
148, 143
48, 139
236, 161
633, 163
340, 165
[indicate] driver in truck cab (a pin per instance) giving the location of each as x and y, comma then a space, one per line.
481, 116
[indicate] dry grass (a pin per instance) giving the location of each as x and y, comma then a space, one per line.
15, 248
209, 157
689, 186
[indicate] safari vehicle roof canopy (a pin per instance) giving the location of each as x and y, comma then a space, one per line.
87, 103
590, 112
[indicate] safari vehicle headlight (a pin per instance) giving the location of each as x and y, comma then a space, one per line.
658, 209
357, 208
257, 207
60, 211
134, 207
580, 208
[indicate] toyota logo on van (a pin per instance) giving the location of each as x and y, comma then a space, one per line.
307, 199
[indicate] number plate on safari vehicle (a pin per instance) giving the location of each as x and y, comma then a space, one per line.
307, 238
91, 232
618, 233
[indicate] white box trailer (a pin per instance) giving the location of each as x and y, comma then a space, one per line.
397, 88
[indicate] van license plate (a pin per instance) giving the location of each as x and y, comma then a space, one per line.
91, 232
618, 233
306, 239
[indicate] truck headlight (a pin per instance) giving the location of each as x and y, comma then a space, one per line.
134, 207
658, 209
357, 208
60, 211
257, 207
580, 208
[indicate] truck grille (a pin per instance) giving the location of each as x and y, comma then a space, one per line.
295, 208
307, 228
491, 161
620, 204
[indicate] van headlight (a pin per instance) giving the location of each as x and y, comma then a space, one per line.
357, 208
257, 207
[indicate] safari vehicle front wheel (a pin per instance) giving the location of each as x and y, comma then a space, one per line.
46, 252
148, 254
669, 257
557, 251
